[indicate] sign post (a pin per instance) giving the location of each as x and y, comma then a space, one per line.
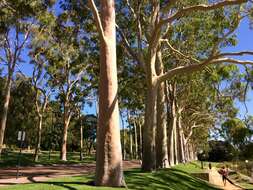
21, 139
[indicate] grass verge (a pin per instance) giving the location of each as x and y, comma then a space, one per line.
26, 159
167, 179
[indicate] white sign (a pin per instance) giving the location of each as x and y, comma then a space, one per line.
21, 135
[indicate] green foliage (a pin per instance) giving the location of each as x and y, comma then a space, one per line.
21, 115
235, 131
220, 151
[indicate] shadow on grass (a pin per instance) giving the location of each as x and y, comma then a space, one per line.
74, 184
9, 159
196, 164
167, 179
66, 185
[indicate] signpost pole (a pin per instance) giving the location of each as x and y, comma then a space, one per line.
21, 138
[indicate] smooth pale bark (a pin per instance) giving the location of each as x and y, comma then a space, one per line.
186, 147
181, 140
130, 137
123, 139
172, 125
40, 109
7, 96
191, 157
37, 149
66, 120
130, 143
81, 138
149, 152
161, 130
149, 156
140, 136
171, 145
135, 141
109, 170
175, 133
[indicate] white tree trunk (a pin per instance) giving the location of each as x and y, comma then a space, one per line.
135, 141
37, 149
67, 118
109, 170
7, 95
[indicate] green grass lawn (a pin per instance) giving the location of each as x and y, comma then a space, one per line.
10, 159
168, 179
192, 167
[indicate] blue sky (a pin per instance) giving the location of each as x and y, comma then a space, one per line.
245, 42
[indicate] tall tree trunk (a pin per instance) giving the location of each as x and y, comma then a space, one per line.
109, 170
81, 138
186, 147
161, 131
149, 152
175, 133
149, 157
172, 125
67, 117
192, 152
140, 136
181, 139
124, 137
130, 143
130, 136
135, 141
7, 96
37, 150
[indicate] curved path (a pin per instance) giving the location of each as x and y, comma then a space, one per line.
45, 173
216, 179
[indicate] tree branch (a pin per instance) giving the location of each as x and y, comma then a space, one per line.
129, 49
241, 53
97, 18
131, 9
77, 78
178, 52
201, 7
197, 67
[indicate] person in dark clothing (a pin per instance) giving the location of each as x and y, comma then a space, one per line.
224, 173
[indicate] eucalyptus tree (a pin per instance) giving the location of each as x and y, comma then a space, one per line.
61, 45
131, 97
235, 132
108, 155
21, 114
15, 27
155, 23
202, 101
42, 95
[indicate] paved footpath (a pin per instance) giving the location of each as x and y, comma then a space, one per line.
45, 173
216, 179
